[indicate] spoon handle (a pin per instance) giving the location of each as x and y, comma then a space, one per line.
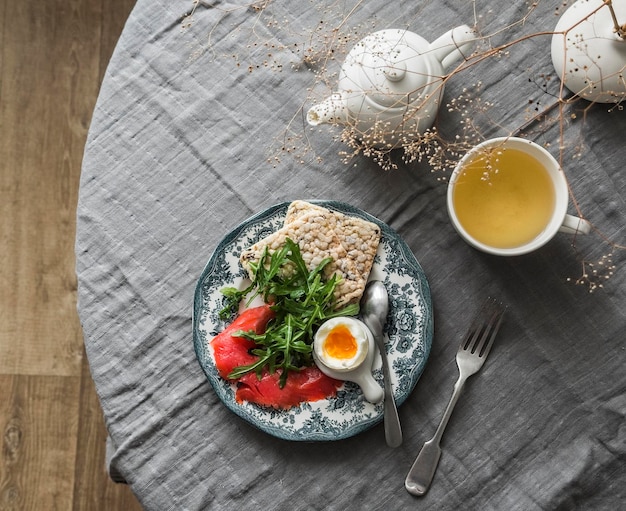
393, 430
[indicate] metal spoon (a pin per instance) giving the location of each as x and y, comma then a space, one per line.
374, 308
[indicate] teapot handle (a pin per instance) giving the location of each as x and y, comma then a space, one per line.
454, 44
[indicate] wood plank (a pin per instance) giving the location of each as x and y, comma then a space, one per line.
39, 427
52, 58
48, 90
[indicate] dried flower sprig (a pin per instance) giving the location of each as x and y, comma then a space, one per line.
594, 275
320, 51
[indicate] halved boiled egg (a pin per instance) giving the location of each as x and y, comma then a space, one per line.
344, 349
341, 343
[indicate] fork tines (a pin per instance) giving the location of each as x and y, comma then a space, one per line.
484, 328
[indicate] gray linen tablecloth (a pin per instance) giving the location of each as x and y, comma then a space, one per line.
200, 124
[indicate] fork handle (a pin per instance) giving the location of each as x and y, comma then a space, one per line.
423, 470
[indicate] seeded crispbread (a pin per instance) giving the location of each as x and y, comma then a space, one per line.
299, 208
350, 241
359, 237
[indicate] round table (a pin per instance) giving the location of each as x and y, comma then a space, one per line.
200, 123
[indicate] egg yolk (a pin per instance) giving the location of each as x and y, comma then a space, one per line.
340, 343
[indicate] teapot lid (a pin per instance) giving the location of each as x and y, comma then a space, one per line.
389, 68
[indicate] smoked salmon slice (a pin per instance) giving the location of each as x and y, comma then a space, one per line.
231, 351
308, 384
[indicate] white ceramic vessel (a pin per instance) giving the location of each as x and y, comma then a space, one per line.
588, 53
391, 83
361, 371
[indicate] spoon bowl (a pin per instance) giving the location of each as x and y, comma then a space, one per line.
375, 301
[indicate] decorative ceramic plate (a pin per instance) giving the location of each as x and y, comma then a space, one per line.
408, 332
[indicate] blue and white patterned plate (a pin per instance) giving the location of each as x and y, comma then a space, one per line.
409, 332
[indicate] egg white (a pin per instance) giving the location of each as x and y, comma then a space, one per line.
341, 364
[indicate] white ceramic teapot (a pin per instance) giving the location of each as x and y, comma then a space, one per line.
588, 52
391, 83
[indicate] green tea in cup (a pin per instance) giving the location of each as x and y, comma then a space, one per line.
508, 196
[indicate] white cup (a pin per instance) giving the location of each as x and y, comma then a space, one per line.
508, 196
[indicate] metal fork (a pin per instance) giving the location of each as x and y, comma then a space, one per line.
470, 357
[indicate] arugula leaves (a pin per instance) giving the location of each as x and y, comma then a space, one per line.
301, 300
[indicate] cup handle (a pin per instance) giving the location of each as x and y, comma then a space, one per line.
575, 225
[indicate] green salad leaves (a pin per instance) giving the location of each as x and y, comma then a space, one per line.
301, 299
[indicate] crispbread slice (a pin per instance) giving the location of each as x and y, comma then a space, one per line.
317, 240
300, 208
351, 242
359, 237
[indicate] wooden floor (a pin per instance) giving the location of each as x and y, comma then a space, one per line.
53, 55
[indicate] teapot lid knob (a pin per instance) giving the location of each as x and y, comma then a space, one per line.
395, 71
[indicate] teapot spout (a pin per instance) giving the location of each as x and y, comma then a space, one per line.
454, 44
332, 110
